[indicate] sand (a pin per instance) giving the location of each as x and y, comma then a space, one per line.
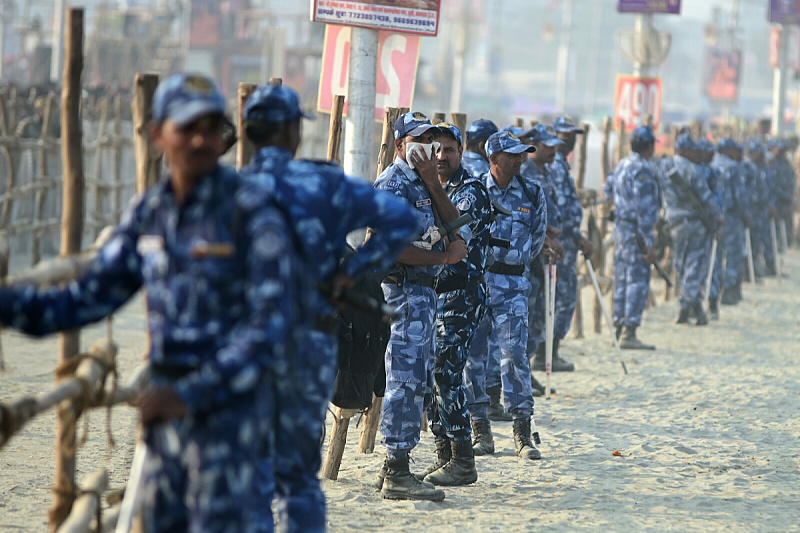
708, 428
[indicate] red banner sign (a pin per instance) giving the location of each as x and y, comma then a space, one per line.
722, 75
636, 99
398, 56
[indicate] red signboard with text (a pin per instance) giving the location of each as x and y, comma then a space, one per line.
398, 56
636, 98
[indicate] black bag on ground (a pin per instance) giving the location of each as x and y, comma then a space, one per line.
362, 343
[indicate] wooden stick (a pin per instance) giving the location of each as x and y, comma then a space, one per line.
85, 508
41, 166
138, 382
148, 160
369, 427
244, 148
387, 151
335, 131
580, 163
621, 149
459, 120
520, 122
438, 117
600, 251
276, 81
98, 162
72, 214
116, 197
333, 459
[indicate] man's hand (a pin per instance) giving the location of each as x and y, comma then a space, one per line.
746, 221
586, 247
553, 232
773, 213
456, 251
553, 248
160, 404
339, 283
427, 170
651, 256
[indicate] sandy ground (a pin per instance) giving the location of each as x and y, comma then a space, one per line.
708, 428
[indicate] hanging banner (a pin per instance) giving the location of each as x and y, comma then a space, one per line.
636, 99
793, 34
722, 72
398, 57
204, 29
672, 7
784, 11
416, 17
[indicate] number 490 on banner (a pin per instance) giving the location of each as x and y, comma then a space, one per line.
636, 99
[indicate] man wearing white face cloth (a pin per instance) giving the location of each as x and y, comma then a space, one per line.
409, 287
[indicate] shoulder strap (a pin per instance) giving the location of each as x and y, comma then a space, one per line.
526, 190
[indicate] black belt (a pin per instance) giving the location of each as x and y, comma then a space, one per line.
681, 221
506, 269
326, 324
628, 220
171, 372
421, 278
458, 282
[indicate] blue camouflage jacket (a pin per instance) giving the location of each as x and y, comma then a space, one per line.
785, 182
525, 228
475, 164
323, 206
634, 190
400, 180
732, 176
469, 195
533, 173
569, 205
678, 208
757, 189
219, 272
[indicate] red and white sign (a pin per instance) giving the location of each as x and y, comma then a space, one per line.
417, 17
793, 61
636, 98
398, 56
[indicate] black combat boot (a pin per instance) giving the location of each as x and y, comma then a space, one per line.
618, 332
729, 297
699, 312
483, 443
382, 476
713, 310
400, 484
496, 411
771, 271
522, 440
539, 358
537, 389
631, 342
683, 316
460, 470
443, 456
559, 364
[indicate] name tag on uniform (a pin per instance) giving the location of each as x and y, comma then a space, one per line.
150, 244
423, 203
204, 250
523, 209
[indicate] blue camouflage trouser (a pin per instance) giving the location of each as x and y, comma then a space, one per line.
199, 473
692, 247
718, 275
536, 315
302, 397
566, 290
409, 366
476, 371
631, 279
508, 304
762, 238
458, 315
735, 257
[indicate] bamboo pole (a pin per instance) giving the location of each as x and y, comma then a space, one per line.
335, 131
116, 196
42, 171
369, 428
3, 117
276, 81
438, 117
580, 163
87, 504
5, 254
520, 122
98, 162
459, 120
71, 232
387, 151
600, 254
244, 148
333, 459
148, 160
621, 140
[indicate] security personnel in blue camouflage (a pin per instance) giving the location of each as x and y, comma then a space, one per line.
509, 288
462, 297
475, 160
409, 287
717, 186
634, 191
693, 217
322, 206
760, 205
571, 238
217, 265
728, 163
785, 186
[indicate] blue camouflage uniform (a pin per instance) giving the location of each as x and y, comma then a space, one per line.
760, 201
461, 307
690, 236
409, 289
220, 320
785, 189
717, 186
736, 211
322, 206
509, 288
634, 189
475, 164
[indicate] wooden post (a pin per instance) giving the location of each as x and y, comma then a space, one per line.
600, 252
71, 232
276, 81
98, 166
580, 164
621, 149
333, 459
3, 117
148, 160
386, 153
520, 122
244, 148
42, 171
335, 131
116, 196
87, 504
369, 427
438, 117
459, 120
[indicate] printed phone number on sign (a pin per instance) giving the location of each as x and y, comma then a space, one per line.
378, 18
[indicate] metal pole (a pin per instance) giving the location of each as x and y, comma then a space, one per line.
750, 266
779, 83
57, 53
711, 266
359, 128
639, 67
605, 312
562, 70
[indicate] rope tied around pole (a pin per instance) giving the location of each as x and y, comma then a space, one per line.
11, 420
71, 492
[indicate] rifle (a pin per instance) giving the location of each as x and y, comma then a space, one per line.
640, 242
436, 233
360, 302
690, 195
